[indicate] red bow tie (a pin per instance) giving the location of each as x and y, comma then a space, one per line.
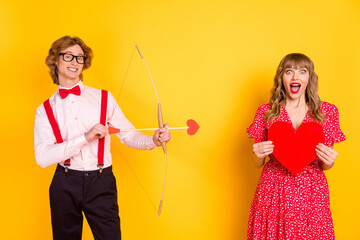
65, 92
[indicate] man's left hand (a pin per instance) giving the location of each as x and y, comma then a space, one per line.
162, 135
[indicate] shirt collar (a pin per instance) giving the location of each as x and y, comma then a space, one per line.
79, 83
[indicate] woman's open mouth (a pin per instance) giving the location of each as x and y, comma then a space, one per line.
295, 87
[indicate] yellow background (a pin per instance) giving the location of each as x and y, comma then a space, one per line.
213, 61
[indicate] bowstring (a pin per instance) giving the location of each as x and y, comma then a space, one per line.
135, 176
123, 83
127, 70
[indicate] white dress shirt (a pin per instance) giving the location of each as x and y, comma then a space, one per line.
76, 115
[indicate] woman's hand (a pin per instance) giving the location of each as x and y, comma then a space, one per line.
162, 135
261, 150
327, 156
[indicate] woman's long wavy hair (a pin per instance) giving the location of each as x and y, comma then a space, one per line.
278, 94
61, 44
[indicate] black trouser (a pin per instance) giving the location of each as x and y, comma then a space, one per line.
91, 192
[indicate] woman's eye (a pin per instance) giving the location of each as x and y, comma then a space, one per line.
302, 71
288, 71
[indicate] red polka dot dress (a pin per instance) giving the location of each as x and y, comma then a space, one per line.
288, 207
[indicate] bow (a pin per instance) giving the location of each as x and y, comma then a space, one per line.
160, 123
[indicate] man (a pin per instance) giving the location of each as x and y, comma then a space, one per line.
71, 131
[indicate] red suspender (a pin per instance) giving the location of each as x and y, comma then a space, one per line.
56, 130
54, 126
104, 97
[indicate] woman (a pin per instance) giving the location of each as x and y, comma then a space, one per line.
288, 206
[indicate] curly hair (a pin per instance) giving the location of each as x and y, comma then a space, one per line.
278, 94
61, 44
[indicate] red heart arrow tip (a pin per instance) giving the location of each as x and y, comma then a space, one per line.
193, 126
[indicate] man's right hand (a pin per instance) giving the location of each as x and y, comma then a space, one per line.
96, 132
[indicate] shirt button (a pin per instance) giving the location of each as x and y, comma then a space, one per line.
86, 174
76, 118
72, 101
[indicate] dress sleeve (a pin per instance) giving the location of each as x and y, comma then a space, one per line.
257, 129
333, 133
334, 126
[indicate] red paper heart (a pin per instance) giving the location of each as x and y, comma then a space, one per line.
295, 149
193, 126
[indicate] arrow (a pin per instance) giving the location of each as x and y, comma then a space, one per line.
192, 128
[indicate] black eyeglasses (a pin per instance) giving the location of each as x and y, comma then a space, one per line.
67, 57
